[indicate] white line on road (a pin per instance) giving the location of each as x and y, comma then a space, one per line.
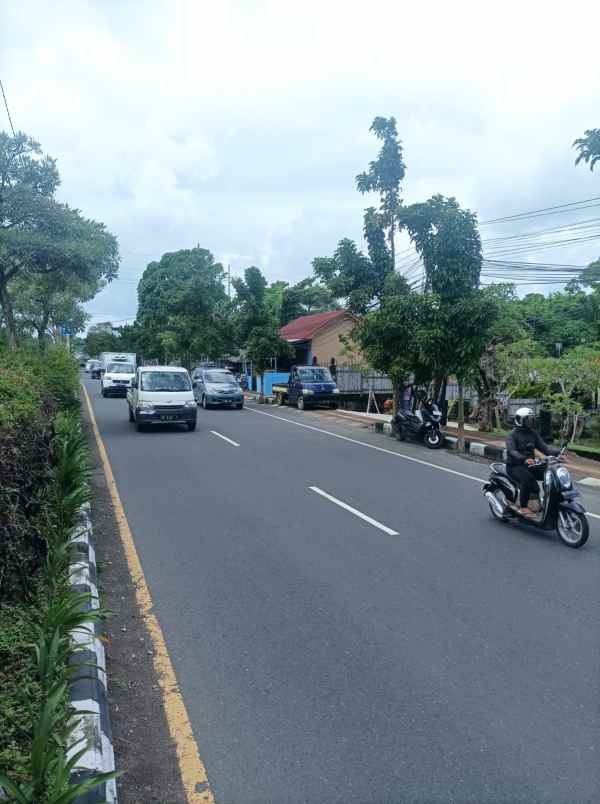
229, 441
370, 446
359, 514
380, 449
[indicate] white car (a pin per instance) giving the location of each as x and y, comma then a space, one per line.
117, 379
162, 395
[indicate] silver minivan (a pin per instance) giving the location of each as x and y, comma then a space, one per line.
213, 386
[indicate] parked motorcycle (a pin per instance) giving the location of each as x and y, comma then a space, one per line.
424, 425
556, 506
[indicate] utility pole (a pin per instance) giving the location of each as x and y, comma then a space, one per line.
229, 281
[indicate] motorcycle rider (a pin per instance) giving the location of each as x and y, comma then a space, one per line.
521, 444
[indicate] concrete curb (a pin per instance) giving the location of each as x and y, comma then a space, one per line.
474, 447
88, 691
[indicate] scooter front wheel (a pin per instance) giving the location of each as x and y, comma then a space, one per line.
433, 439
573, 528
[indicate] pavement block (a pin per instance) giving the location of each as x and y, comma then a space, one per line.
475, 448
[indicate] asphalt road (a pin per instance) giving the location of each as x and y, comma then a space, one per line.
428, 655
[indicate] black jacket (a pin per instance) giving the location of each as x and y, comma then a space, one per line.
521, 443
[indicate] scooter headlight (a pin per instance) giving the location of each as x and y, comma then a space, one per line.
564, 478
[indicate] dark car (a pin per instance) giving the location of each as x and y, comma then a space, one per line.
308, 387
214, 387
95, 369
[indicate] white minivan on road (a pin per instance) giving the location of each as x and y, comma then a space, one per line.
162, 395
116, 379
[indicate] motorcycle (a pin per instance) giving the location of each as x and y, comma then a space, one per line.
424, 425
555, 508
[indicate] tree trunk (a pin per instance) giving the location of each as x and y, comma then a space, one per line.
398, 390
9, 316
461, 418
488, 388
261, 396
42, 331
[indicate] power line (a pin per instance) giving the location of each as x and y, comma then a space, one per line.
12, 128
540, 212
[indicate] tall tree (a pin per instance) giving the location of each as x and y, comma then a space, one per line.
390, 336
447, 240
384, 176
49, 301
39, 236
508, 326
305, 298
183, 309
589, 147
357, 278
251, 302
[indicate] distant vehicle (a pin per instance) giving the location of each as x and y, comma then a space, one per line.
308, 387
89, 364
116, 379
95, 369
117, 357
161, 395
217, 387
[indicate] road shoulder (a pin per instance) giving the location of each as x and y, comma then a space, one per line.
144, 750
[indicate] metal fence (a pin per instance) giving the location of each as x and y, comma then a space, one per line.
350, 381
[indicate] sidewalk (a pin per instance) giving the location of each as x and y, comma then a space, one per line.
584, 470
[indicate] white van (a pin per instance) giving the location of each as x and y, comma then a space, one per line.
162, 395
117, 378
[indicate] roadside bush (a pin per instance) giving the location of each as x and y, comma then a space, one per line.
34, 388
53, 756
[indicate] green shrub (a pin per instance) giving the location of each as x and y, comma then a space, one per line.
35, 387
20, 690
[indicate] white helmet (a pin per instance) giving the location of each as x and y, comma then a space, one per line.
525, 417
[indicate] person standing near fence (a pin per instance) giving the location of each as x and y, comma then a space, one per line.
333, 368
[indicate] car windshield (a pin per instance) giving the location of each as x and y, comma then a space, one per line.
165, 381
219, 377
120, 368
315, 375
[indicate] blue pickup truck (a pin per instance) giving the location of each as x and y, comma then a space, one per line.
308, 387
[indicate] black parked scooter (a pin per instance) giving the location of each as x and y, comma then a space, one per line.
424, 425
557, 508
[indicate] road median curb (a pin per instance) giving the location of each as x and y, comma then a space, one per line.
491, 451
88, 690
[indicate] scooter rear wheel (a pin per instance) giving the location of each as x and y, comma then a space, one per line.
573, 528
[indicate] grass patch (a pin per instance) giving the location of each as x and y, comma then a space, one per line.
585, 451
20, 701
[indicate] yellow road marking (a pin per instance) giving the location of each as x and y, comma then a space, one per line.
191, 767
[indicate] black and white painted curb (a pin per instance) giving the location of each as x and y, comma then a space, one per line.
490, 451
88, 690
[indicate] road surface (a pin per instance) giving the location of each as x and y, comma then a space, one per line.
347, 625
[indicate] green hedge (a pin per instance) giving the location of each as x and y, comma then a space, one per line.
34, 388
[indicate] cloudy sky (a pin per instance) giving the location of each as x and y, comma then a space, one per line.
241, 125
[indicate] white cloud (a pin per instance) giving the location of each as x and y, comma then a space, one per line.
241, 125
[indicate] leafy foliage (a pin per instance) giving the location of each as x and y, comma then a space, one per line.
447, 239
38, 235
384, 176
62, 610
183, 307
32, 391
589, 147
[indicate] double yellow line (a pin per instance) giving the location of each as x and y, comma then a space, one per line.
191, 767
